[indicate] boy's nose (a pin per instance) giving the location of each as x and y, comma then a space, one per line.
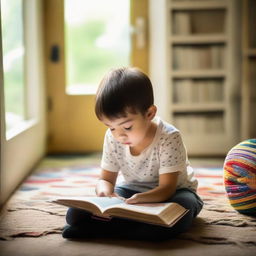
122, 136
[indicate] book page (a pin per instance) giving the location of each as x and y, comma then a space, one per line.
92, 204
104, 203
147, 208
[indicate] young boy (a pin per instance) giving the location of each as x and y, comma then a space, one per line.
147, 151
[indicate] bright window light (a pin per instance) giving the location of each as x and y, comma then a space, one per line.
13, 61
96, 40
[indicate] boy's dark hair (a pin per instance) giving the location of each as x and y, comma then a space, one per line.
123, 90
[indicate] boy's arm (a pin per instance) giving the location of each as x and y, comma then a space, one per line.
165, 189
106, 183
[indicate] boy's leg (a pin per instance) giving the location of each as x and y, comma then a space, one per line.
190, 201
121, 228
184, 197
83, 224
77, 217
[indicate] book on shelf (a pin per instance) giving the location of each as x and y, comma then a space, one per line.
198, 124
214, 124
198, 57
197, 22
197, 91
182, 24
182, 91
163, 214
251, 23
181, 122
209, 21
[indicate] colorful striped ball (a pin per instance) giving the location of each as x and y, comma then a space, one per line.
240, 177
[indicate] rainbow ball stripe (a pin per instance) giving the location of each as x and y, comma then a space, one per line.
240, 177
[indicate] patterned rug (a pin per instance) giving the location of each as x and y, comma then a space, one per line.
29, 214
72, 176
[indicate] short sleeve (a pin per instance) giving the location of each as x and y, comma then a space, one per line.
172, 154
109, 161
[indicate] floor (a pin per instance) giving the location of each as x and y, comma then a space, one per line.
219, 230
55, 245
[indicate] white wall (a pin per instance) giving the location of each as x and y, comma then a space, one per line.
23, 148
158, 59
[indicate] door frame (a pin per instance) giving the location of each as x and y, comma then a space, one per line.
72, 123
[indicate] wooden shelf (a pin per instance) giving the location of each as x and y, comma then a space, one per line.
198, 107
198, 39
206, 144
198, 74
248, 103
251, 52
198, 5
202, 72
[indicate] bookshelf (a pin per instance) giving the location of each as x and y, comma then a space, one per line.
201, 81
248, 106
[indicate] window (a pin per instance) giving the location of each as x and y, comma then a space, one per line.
13, 61
96, 39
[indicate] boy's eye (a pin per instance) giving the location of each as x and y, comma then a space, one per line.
112, 129
128, 128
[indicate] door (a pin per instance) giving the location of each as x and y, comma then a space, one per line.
72, 124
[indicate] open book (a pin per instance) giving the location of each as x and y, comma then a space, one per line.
165, 214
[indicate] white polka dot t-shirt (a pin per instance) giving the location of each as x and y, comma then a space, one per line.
165, 154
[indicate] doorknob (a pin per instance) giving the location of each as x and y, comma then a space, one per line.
55, 53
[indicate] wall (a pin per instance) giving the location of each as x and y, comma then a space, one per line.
22, 149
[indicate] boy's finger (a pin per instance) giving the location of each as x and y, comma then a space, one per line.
130, 200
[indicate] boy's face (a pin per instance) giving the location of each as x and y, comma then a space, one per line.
132, 130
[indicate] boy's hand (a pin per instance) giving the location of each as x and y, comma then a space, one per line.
104, 188
104, 192
165, 189
135, 199
106, 183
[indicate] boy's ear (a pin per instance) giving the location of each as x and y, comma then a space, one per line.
151, 112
